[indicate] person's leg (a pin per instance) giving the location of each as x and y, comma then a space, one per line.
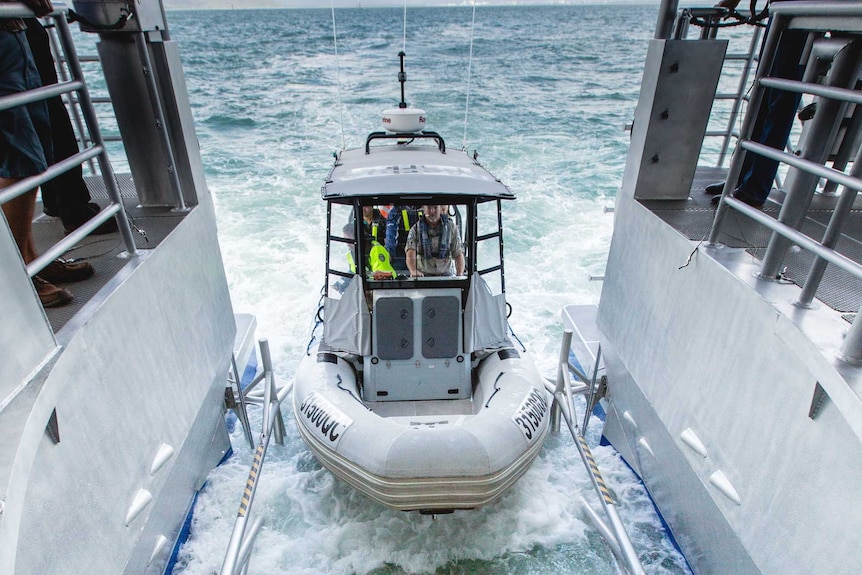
66, 196
775, 120
40, 49
756, 183
19, 215
24, 148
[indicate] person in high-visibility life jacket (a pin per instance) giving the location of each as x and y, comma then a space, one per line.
373, 234
434, 244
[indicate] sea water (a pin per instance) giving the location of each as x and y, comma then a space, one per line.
550, 91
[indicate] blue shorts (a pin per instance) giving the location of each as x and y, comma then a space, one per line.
25, 131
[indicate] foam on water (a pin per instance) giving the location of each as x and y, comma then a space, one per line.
552, 88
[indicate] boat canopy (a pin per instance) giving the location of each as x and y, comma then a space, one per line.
410, 171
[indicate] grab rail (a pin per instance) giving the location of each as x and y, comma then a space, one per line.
243, 536
441, 145
563, 390
97, 150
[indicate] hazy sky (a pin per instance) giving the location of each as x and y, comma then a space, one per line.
203, 4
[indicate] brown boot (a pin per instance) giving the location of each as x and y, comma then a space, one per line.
61, 271
51, 295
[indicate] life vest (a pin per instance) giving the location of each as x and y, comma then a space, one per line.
402, 219
424, 246
378, 257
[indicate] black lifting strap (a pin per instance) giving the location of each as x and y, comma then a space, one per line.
118, 25
736, 18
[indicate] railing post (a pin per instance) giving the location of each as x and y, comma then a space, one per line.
74, 108
767, 55
666, 17
831, 236
815, 149
560, 384
242, 412
683, 22
740, 90
591, 396
95, 133
851, 349
269, 392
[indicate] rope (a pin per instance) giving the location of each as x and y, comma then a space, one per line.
337, 74
469, 72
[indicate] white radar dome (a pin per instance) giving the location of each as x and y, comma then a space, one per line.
401, 120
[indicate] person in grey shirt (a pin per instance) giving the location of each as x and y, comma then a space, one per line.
433, 244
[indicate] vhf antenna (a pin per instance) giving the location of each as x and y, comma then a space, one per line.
402, 77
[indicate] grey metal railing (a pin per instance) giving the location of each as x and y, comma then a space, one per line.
712, 17
563, 390
675, 23
666, 16
97, 150
748, 59
235, 399
244, 533
71, 103
806, 169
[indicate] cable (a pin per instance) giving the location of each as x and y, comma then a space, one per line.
337, 74
404, 37
469, 72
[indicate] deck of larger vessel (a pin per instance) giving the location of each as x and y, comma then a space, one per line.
693, 218
105, 252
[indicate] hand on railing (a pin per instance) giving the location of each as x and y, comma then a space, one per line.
39, 7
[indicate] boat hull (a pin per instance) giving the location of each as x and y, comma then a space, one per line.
750, 471
431, 456
138, 403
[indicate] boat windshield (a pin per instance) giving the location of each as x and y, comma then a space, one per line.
410, 243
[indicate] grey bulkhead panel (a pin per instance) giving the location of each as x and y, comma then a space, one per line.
417, 352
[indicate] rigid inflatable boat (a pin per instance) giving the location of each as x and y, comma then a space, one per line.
411, 389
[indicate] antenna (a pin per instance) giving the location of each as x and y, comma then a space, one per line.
403, 120
469, 70
337, 73
402, 77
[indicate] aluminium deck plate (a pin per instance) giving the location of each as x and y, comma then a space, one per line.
693, 218
103, 251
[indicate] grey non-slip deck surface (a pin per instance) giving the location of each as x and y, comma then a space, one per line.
693, 218
104, 252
